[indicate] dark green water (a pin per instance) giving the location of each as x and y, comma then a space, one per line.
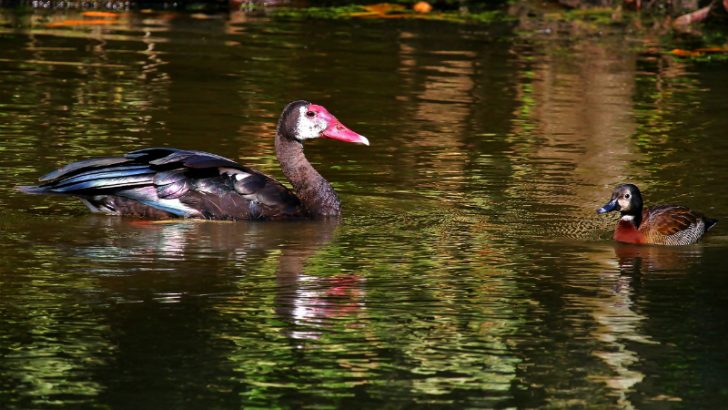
469, 269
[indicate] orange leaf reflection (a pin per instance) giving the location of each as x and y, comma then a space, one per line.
100, 14
89, 22
698, 51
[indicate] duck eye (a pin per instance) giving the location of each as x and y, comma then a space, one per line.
310, 114
626, 196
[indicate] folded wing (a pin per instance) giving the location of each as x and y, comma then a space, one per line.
674, 224
176, 182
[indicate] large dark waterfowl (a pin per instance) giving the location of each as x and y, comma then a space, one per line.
660, 225
168, 182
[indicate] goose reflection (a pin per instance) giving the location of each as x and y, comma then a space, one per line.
137, 257
309, 302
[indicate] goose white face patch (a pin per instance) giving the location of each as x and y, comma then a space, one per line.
309, 127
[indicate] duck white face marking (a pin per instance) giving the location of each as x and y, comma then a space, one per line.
624, 202
627, 217
309, 124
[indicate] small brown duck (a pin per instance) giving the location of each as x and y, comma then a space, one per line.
658, 225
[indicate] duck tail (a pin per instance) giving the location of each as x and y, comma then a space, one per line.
33, 190
709, 223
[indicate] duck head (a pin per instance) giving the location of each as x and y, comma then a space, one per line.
302, 120
626, 199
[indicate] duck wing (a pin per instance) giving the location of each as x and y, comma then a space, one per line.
674, 224
181, 183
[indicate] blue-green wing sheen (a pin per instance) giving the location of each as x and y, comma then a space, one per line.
168, 182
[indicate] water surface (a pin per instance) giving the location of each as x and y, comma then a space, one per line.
469, 269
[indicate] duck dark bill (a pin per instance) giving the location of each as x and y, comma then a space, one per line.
609, 207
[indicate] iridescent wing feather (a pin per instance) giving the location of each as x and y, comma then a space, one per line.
178, 182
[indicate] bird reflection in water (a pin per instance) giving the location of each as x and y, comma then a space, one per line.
309, 300
641, 259
620, 325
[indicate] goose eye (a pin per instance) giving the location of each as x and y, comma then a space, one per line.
310, 114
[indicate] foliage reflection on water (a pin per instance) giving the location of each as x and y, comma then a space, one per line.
468, 270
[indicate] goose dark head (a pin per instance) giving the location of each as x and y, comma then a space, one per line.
302, 120
626, 199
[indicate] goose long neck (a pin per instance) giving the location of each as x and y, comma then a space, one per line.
316, 194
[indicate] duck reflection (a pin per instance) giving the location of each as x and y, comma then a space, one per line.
621, 326
639, 259
618, 326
